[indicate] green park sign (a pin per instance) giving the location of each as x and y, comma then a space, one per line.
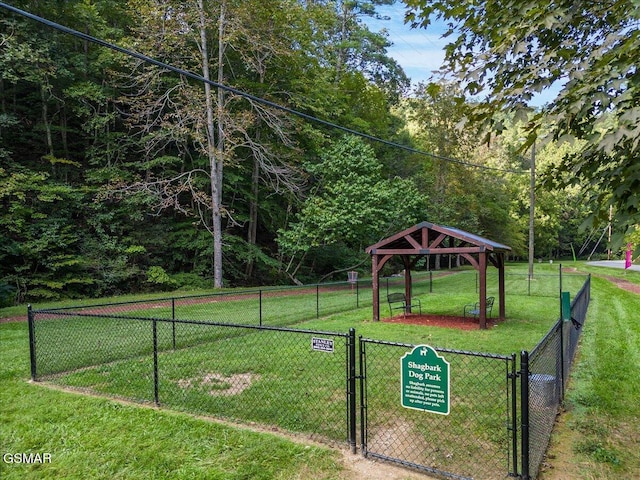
565, 302
425, 380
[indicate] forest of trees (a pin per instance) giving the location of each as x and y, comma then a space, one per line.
117, 175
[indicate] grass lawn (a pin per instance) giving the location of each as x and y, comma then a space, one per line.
599, 431
98, 438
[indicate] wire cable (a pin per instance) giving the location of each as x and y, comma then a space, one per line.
235, 91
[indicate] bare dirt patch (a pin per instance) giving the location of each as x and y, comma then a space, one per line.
399, 439
358, 467
624, 284
20, 318
221, 385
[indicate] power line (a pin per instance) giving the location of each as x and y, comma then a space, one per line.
235, 91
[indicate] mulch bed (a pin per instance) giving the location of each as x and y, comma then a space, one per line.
448, 321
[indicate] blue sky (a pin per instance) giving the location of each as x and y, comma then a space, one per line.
420, 51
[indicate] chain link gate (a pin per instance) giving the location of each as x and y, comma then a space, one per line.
477, 439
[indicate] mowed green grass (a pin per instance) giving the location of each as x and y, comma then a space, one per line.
247, 377
98, 438
599, 432
143, 443
120, 349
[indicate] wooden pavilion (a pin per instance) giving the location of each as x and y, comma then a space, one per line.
429, 239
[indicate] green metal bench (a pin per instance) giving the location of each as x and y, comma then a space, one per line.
398, 301
474, 308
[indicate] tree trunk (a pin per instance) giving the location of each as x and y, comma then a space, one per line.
215, 146
64, 131
252, 234
3, 103
45, 119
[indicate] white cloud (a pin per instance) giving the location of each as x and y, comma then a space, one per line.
420, 51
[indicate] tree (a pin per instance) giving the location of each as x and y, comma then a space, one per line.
434, 115
39, 251
511, 50
264, 48
352, 206
191, 131
55, 113
435, 112
357, 48
133, 143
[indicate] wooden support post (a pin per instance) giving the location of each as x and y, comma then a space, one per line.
375, 288
501, 298
483, 290
407, 281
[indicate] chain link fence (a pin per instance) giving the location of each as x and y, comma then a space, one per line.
545, 372
276, 306
296, 380
235, 356
521, 284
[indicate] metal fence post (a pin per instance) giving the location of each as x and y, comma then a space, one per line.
260, 306
317, 300
32, 342
514, 412
155, 361
524, 406
562, 379
560, 362
363, 393
351, 394
560, 290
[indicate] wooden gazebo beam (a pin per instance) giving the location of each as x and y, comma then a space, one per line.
428, 239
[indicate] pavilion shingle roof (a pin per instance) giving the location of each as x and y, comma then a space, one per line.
426, 238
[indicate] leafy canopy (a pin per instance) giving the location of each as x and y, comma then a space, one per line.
510, 50
352, 205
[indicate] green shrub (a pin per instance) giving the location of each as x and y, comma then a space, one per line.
157, 276
191, 281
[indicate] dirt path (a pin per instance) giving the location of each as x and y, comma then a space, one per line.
624, 284
115, 308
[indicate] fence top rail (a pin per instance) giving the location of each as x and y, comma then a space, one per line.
193, 322
201, 295
582, 291
443, 350
548, 336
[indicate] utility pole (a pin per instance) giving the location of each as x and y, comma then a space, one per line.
609, 228
532, 201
